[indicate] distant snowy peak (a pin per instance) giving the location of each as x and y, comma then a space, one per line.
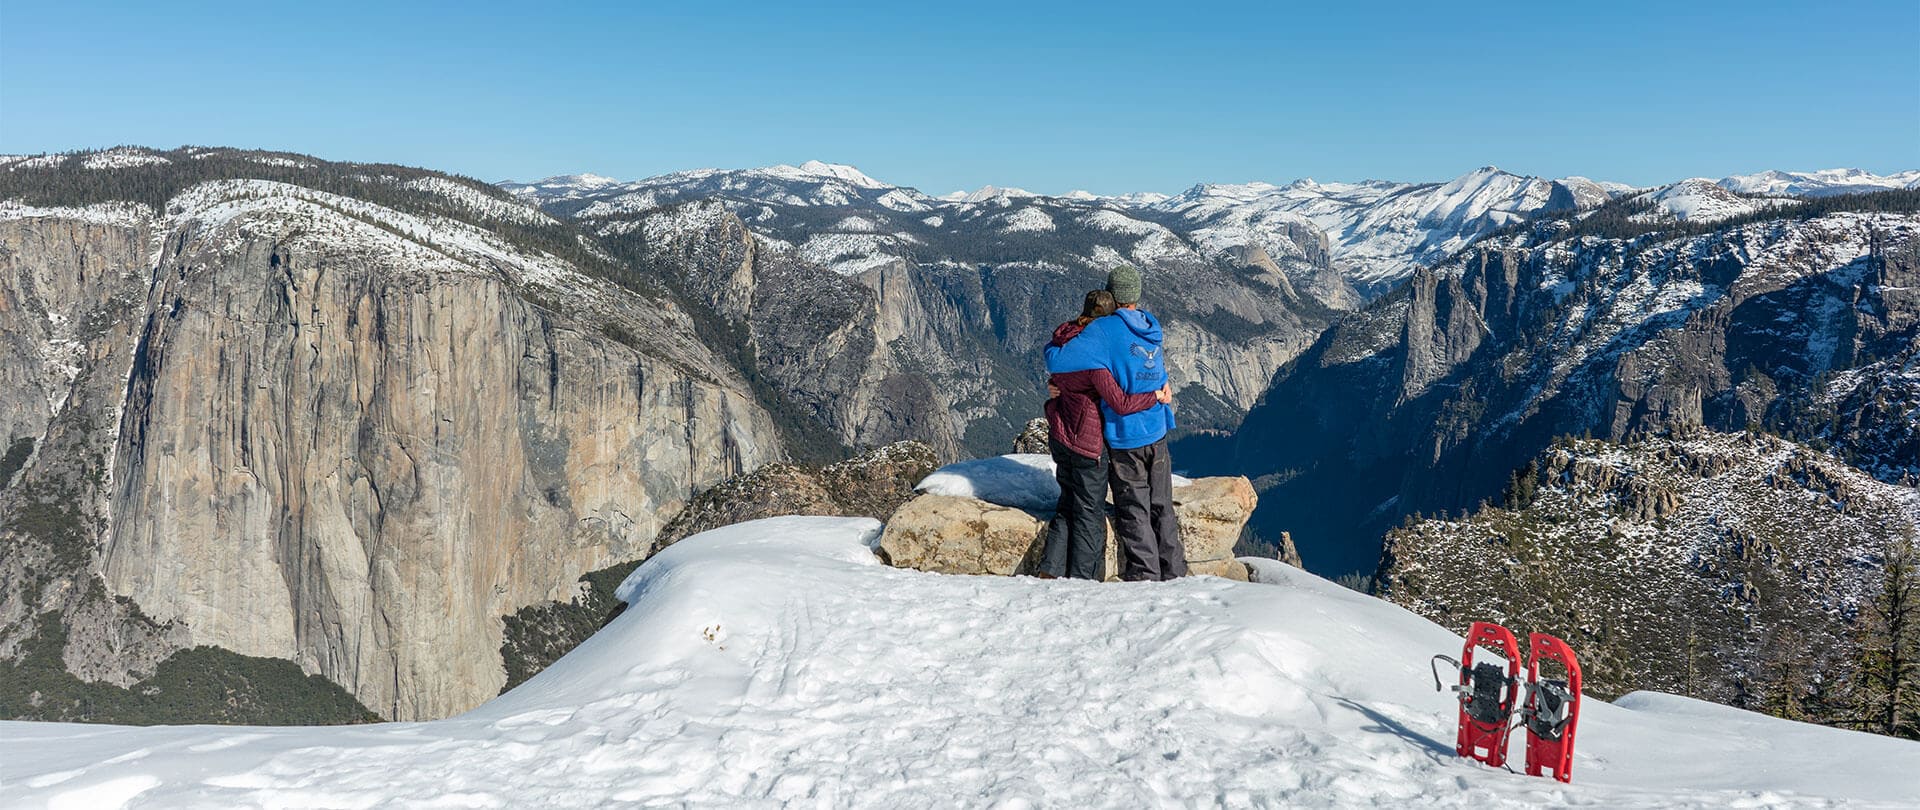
1699, 200
837, 171
1605, 185
1379, 231
988, 194
813, 183
1823, 183
564, 186
1007, 194
813, 171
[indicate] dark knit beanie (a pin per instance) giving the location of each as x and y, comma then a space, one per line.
1124, 283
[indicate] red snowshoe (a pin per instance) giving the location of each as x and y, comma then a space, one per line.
1488, 694
1552, 709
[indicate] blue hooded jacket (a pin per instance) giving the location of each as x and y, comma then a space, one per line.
1126, 343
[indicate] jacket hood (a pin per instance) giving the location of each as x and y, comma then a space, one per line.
1142, 323
1065, 332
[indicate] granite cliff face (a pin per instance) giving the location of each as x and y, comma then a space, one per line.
820, 341
299, 425
67, 281
1428, 399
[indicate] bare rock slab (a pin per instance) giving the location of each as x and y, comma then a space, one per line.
960, 535
954, 535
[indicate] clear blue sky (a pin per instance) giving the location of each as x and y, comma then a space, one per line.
1110, 97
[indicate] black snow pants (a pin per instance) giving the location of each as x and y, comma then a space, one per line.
1143, 517
1077, 537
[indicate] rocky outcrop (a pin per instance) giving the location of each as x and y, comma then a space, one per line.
871, 484
1213, 516
1286, 552
875, 483
338, 433
959, 535
953, 535
61, 275
1728, 567
1033, 438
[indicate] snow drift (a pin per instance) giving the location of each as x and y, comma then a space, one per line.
777, 662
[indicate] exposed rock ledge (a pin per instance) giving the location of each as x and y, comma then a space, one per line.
961, 535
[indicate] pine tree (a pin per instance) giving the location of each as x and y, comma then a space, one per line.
1822, 702
1783, 688
1690, 649
1522, 486
1886, 693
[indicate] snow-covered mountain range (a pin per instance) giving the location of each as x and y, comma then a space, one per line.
1377, 231
812, 183
1824, 183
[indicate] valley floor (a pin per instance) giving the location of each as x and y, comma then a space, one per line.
777, 662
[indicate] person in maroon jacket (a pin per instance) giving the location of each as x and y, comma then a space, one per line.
1077, 537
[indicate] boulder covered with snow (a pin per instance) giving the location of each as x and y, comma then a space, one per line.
1022, 481
988, 516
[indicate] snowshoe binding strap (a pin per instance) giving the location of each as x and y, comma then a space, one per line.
1547, 712
1435, 666
1488, 694
1490, 699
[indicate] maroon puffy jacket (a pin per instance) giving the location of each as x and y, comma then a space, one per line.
1073, 418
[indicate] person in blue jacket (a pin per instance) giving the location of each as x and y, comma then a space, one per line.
1128, 343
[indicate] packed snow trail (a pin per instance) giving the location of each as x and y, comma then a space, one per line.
778, 663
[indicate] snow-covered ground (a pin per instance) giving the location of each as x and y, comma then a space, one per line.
778, 662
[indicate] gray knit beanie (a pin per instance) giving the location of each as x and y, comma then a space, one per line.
1124, 283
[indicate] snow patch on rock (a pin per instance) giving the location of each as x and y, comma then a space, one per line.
122, 158
1026, 220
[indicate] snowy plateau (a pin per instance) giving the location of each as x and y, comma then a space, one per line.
778, 663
